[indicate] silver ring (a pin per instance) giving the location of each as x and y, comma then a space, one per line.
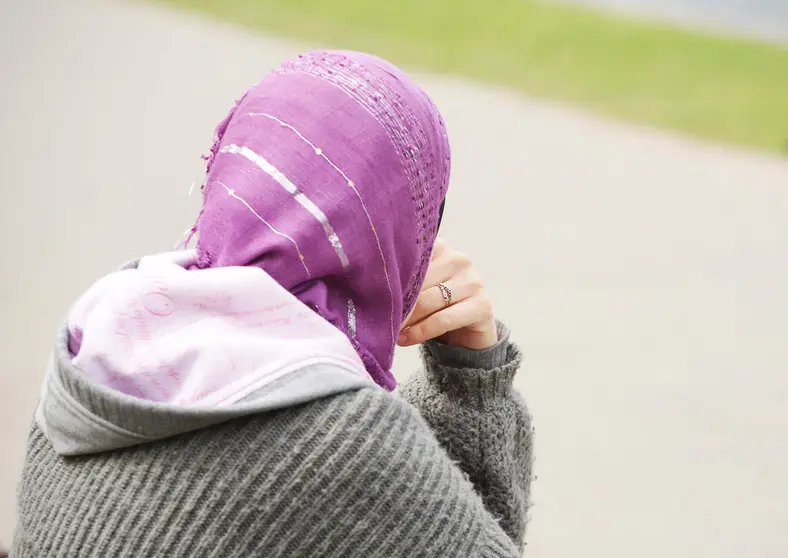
446, 292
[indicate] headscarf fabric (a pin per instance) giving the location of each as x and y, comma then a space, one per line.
330, 175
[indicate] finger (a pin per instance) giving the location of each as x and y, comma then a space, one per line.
431, 300
464, 314
446, 266
438, 272
439, 248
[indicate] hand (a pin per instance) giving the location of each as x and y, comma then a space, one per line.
468, 321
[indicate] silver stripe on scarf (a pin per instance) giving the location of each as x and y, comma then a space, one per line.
298, 196
351, 317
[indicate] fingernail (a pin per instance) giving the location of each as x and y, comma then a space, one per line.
402, 339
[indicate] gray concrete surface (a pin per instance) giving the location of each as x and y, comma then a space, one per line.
645, 275
760, 19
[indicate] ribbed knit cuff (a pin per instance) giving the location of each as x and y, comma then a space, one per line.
460, 357
463, 372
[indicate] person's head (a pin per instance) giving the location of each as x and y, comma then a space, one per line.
330, 175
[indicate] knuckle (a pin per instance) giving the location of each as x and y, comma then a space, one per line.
462, 260
475, 283
416, 332
442, 323
439, 247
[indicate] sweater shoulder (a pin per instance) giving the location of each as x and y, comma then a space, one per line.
356, 474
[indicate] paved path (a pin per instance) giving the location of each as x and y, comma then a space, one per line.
646, 276
763, 19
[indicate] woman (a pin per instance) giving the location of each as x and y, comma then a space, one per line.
236, 399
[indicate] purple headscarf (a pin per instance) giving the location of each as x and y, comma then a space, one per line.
329, 175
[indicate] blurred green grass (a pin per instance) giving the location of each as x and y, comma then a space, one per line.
726, 89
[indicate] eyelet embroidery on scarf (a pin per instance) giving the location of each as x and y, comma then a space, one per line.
405, 132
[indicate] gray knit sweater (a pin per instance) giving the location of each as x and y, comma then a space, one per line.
441, 468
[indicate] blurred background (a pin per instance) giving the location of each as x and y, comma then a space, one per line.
620, 177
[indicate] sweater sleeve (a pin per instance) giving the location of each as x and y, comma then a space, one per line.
467, 399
